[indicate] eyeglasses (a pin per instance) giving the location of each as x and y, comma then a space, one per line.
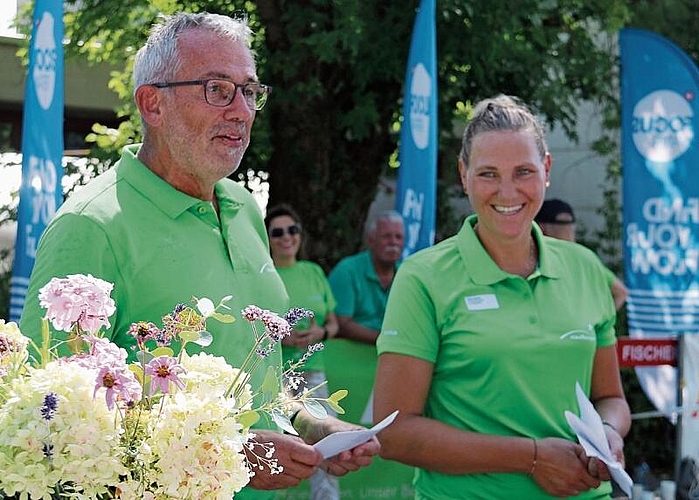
278, 232
220, 93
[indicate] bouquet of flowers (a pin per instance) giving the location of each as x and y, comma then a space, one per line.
169, 425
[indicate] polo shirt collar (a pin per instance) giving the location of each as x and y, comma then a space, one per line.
368, 264
163, 195
483, 269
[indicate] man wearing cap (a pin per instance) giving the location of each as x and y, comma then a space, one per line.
556, 219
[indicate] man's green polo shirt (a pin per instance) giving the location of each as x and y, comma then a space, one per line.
161, 247
507, 351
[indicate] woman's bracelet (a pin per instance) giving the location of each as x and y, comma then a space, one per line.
536, 455
604, 422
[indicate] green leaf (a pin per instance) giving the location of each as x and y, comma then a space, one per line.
248, 418
336, 407
283, 422
338, 395
223, 318
136, 369
316, 409
189, 336
144, 357
204, 339
162, 351
270, 386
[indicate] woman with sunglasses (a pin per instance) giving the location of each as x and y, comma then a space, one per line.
308, 288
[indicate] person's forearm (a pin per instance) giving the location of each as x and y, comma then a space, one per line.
429, 444
615, 412
352, 330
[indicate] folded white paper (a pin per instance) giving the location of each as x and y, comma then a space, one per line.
338, 442
590, 431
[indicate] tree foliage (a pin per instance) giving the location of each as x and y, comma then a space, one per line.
331, 128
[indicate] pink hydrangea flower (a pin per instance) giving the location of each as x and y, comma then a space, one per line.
101, 353
78, 300
164, 369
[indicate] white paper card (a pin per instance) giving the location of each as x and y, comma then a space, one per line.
590, 431
482, 302
338, 442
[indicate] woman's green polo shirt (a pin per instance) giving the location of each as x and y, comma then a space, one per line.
507, 351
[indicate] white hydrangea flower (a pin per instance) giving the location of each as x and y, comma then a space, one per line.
41, 447
197, 445
208, 374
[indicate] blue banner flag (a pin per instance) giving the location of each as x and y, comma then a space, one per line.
659, 88
416, 191
42, 143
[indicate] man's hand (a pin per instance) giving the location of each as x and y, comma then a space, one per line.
352, 460
313, 430
298, 459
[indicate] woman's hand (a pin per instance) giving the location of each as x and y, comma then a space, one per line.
562, 468
301, 339
599, 469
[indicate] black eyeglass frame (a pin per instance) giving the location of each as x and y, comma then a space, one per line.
266, 90
279, 232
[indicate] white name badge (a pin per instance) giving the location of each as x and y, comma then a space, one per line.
482, 302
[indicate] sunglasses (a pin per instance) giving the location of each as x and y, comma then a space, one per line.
278, 232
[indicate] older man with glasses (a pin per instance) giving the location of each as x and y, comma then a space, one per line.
165, 223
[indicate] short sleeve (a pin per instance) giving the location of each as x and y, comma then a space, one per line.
606, 331
343, 290
410, 324
72, 244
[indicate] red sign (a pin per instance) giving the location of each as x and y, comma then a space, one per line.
646, 352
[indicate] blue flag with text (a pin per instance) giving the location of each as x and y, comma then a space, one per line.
416, 191
42, 143
659, 88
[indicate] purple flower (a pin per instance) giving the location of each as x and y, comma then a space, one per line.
164, 369
47, 450
313, 348
296, 314
183, 318
277, 327
48, 409
144, 331
120, 384
252, 313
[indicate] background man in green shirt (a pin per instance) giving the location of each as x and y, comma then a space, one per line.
361, 283
165, 223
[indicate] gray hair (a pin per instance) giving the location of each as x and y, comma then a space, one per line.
501, 113
159, 59
387, 215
